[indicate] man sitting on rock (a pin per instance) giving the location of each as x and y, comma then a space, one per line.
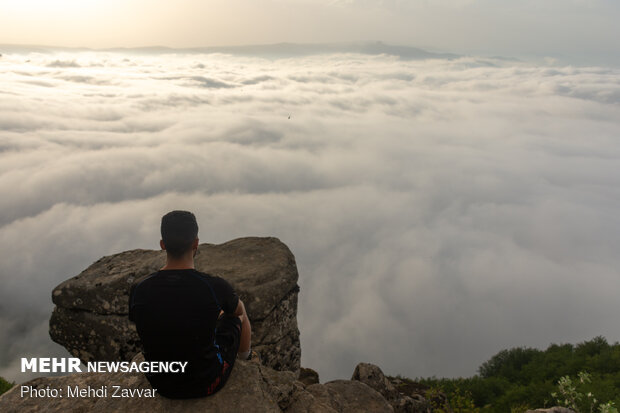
185, 315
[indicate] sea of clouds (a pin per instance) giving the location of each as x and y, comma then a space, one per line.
439, 210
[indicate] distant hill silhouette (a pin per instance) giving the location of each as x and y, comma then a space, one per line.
275, 50
284, 50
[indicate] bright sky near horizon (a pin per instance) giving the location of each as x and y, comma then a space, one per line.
578, 28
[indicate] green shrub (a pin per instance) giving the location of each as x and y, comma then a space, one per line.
572, 393
5, 385
520, 377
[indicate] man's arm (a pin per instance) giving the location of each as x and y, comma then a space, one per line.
246, 329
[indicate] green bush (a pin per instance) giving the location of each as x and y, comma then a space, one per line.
523, 377
576, 395
5, 385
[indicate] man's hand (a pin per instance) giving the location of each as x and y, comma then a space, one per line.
246, 329
240, 310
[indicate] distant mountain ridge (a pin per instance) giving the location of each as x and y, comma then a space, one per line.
273, 50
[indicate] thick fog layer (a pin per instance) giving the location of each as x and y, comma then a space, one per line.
439, 210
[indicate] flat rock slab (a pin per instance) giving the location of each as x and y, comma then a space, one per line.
350, 396
91, 314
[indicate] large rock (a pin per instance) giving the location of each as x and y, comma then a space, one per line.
251, 388
90, 317
349, 396
308, 376
424, 398
556, 409
372, 376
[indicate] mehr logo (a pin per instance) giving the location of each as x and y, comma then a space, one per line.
72, 364
51, 365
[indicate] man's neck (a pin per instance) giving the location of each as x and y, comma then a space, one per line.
184, 263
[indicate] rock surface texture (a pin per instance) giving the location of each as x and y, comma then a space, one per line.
308, 376
91, 314
555, 409
250, 388
412, 401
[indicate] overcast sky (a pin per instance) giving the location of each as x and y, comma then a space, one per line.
439, 210
585, 31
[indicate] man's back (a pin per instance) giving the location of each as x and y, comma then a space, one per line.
176, 312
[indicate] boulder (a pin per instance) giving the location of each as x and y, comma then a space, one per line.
373, 376
308, 376
91, 315
556, 409
251, 387
419, 397
349, 396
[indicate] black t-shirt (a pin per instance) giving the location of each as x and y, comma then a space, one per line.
175, 312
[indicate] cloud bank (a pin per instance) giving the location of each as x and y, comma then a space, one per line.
439, 210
